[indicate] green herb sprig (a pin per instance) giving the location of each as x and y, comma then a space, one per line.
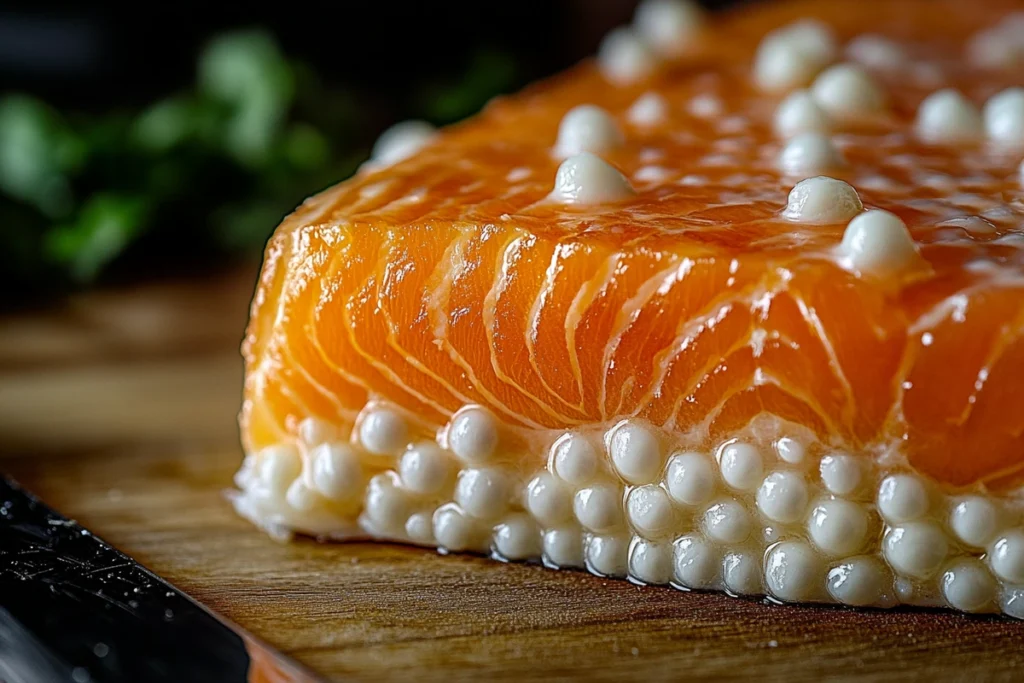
209, 171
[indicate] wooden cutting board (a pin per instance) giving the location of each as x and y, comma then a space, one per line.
118, 409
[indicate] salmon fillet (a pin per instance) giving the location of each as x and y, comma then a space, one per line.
738, 305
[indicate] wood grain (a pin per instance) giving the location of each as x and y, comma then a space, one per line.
134, 436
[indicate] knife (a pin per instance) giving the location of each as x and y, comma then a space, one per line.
73, 608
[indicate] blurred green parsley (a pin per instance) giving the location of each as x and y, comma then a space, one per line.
208, 172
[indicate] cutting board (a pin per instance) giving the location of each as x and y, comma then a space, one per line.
118, 407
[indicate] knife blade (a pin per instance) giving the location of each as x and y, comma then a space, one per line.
73, 608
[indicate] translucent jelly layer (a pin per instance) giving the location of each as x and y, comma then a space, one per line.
770, 512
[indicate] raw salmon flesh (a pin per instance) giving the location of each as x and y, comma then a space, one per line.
736, 305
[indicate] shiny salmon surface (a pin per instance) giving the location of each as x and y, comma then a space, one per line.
450, 279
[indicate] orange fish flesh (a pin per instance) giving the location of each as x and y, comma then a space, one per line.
751, 320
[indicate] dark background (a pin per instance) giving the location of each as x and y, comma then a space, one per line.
92, 70
106, 54
109, 53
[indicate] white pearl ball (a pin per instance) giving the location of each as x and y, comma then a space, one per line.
587, 128
1007, 556
425, 469
336, 472
994, 48
624, 58
841, 474
313, 432
401, 141
650, 562
916, 549
668, 26
741, 466
383, 431
790, 450
968, 586
598, 507
608, 555
1012, 602
1004, 117
809, 152
848, 93
548, 500
635, 452
790, 57
741, 572
859, 581
822, 201
814, 37
799, 113
696, 562
793, 572
877, 242
650, 511
517, 537
386, 505
279, 466
472, 435
727, 522
482, 493
902, 498
420, 528
779, 67
588, 179
575, 460
563, 547
838, 527
909, 592
649, 109
690, 479
946, 116
782, 497
454, 530
974, 520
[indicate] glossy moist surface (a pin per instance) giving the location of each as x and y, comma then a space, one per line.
447, 280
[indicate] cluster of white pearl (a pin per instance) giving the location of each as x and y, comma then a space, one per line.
875, 242
661, 29
946, 116
784, 519
314, 485
790, 57
584, 177
725, 522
